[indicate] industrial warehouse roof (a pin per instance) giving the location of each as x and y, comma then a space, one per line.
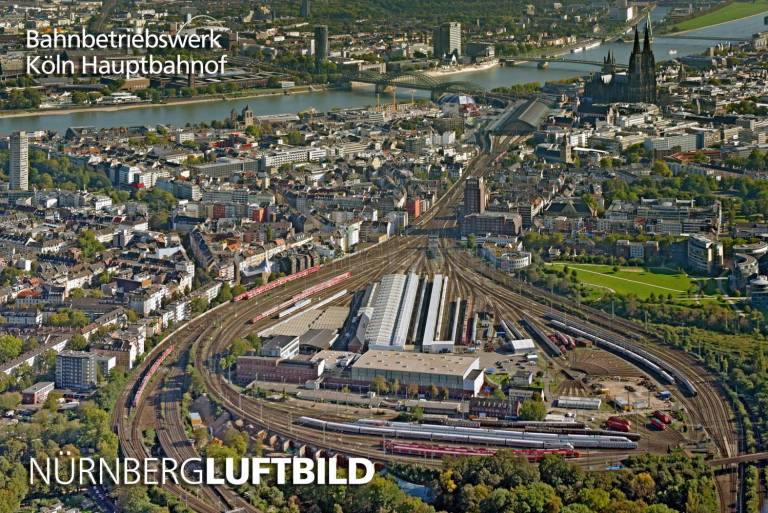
524, 344
386, 305
278, 342
423, 363
320, 339
329, 318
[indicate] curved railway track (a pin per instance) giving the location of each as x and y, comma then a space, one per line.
397, 255
271, 417
127, 425
171, 432
708, 408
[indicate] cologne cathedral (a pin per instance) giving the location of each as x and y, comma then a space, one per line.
637, 84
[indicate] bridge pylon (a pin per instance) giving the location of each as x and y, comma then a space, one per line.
383, 88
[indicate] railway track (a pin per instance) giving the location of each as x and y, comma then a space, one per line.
127, 424
708, 408
172, 435
265, 415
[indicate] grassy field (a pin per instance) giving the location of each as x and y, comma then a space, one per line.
730, 12
632, 280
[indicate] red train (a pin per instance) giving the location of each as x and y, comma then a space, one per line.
439, 451
621, 420
322, 286
466, 323
272, 311
150, 372
302, 295
271, 285
617, 426
658, 424
666, 419
563, 340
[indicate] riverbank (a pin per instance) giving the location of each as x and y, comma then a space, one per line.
169, 103
726, 14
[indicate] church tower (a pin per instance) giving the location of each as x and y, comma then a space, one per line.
649, 69
635, 74
247, 116
638, 84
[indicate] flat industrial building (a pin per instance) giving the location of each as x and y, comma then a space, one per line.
522, 346
460, 374
328, 318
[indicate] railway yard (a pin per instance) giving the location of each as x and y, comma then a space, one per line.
616, 361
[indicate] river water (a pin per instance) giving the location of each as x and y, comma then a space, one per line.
327, 100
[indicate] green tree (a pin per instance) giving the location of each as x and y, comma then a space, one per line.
10, 347
51, 402
9, 400
576, 508
225, 293
379, 384
198, 304
79, 97
660, 168
532, 410
595, 498
88, 244
77, 343
659, 508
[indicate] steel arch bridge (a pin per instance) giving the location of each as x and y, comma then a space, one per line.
415, 80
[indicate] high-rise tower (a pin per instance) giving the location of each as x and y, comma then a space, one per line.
446, 40
474, 196
321, 44
19, 163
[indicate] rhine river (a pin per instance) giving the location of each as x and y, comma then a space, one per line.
181, 114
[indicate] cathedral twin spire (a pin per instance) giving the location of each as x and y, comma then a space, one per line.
639, 83
642, 69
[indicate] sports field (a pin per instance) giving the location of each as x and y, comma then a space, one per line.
631, 280
730, 12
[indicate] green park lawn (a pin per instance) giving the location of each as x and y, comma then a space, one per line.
633, 280
732, 11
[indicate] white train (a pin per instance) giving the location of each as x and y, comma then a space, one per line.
471, 435
636, 355
575, 440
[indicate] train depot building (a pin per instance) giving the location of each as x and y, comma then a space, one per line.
461, 375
